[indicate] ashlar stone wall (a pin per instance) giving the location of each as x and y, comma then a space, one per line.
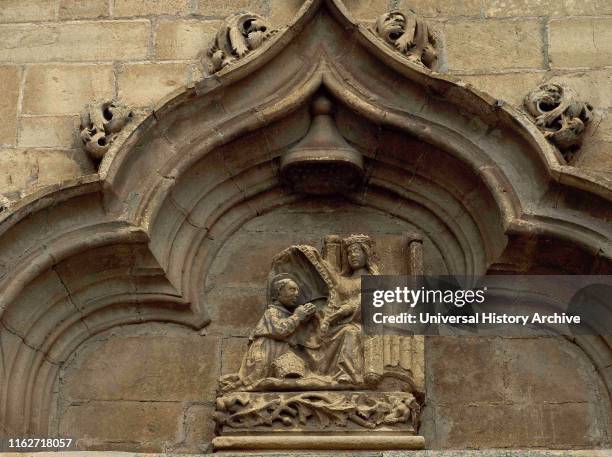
56, 55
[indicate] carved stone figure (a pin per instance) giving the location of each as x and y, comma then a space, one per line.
100, 124
240, 34
409, 35
269, 353
559, 115
308, 366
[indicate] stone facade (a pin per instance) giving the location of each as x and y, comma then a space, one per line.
66, 53
137, 283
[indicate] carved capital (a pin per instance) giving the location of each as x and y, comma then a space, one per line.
240, 34
409, 35
100, 124
560, 115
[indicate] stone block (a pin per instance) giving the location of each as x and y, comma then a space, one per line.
27, 10
9, 87
489, 426
151, 7
183, 39
65, 89
235, 309
480, 45
441, 8
510, 87
547, 370
593, 86
49, 132
596, 156
548, 8
82, 41
138, 425
451, 381
143, 85
197, 430
24, 170
367, 11
232, 352
83, 9
580, 43
145, 368
223, 8
573, 425
284, 11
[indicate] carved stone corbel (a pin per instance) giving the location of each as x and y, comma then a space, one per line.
240, 34
100, 124
409, 35
559, 115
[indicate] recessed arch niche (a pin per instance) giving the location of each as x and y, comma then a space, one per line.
141, 241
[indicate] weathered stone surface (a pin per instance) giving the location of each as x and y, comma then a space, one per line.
451, 383
9, 87
410, 453
65, 89
143, 85
511, 8
197, 430
580, 43
28, 10
143, 426
367, 11
527, 359
508, 426
147, 7
442, 8
83, 41
595, 155
82, 9
283, 11
594, 86
146, 368
48, 131
183, 39
224, 8
501, 48
26, 169
233, 349
510, 87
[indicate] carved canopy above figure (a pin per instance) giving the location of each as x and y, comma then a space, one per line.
474, 176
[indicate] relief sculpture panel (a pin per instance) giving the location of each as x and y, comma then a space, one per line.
309, 368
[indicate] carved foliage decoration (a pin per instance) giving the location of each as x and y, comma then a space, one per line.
409, 35
317, 410
100, 124
239, 34
560, 115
